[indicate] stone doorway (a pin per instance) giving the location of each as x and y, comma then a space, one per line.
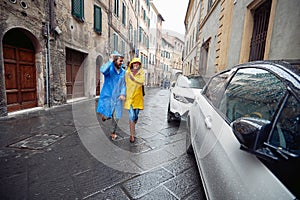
19, 70
74, 74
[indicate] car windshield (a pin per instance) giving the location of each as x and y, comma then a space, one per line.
191, 82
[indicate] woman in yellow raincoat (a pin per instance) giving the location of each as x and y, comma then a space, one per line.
134, 79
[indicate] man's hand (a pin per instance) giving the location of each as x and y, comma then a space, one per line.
122, 97
111, 57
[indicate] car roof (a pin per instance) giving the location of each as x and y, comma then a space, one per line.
287, 70
279, 67
290, 66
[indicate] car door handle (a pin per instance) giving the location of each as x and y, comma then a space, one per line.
207, 122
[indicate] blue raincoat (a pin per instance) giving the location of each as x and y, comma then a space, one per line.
113, 87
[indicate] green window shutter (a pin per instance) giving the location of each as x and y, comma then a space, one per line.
97, 19
77, 9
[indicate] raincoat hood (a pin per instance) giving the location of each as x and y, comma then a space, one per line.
116, 53
134, 60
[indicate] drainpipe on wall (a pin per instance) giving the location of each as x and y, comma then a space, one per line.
109, 27
50, 26
48, 65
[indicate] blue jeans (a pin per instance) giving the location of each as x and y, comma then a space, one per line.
133, 114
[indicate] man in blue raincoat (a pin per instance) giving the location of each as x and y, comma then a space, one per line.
110, 103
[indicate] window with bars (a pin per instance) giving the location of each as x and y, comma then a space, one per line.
260, 30
78, 9
124, 14
97, 19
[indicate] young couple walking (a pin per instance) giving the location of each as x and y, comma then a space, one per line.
121, 85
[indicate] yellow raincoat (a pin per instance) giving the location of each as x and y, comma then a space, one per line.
134, 93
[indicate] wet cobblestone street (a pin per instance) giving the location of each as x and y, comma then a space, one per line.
65, 152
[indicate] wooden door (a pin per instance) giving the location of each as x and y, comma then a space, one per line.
74, 74
97, 81
20, 78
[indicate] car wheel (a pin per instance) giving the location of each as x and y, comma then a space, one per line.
169, 115
189, 148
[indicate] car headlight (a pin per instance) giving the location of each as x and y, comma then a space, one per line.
181, 98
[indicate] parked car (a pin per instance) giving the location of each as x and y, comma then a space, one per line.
244, 130
182, 95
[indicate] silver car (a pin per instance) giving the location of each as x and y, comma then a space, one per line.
244, 130
182, 95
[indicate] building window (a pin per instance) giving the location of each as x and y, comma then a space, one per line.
130, 33
97, 19
203, 57
77, 9
209, 4
116, 8
122, 47
115, 42
140, 34
124, 14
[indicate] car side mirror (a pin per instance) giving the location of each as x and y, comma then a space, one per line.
251, 132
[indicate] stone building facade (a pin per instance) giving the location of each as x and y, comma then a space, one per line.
154, 71
51, 50
23, 55
65, 48
229, 32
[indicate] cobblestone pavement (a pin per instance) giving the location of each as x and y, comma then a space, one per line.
65, 152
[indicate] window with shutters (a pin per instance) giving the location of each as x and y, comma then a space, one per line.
77, 9
97, 19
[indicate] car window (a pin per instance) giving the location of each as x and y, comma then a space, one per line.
286, 133
252, 92
196, 82
190, 82
182, 81
216, 87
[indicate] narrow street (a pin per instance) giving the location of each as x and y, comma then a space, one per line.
66, 153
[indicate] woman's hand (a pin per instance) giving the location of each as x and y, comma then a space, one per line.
131, 77
122, 97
